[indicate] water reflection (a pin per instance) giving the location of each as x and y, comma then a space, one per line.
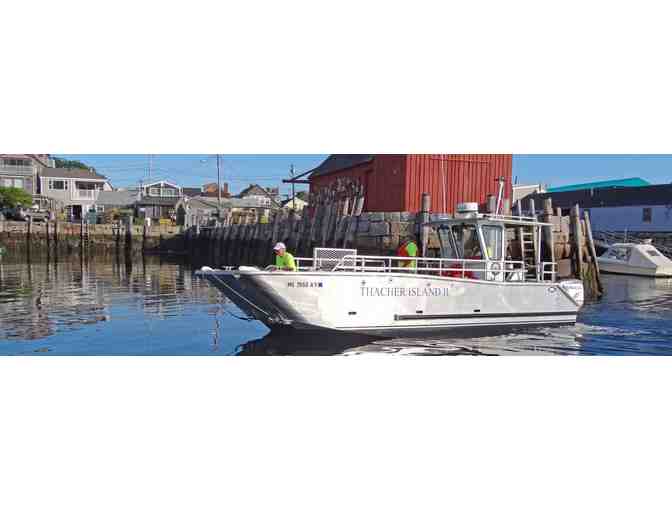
116, 305
74, 298
288, 343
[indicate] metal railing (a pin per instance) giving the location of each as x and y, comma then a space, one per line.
488, 270
545, 271
85, 193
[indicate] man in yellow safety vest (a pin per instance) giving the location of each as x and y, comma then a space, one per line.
284, 261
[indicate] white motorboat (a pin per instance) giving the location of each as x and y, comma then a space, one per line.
635, 259
473, 286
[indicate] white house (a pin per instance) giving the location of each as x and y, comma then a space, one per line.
158, 200
296, 203
76, 189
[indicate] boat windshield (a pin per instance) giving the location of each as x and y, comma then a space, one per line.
619, 253
492, 236
460, 242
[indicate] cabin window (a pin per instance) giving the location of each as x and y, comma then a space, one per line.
492, 236
619, 253
647, 215
467, 243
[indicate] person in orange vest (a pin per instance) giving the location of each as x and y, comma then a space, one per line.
408, 249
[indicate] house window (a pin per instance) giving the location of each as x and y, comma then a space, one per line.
647, 215
58, 185
100, 208
12, 183
154, 192
17, 162
168, 192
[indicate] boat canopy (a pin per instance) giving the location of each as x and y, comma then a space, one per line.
507, 221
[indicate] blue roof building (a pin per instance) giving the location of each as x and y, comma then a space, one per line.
633, 182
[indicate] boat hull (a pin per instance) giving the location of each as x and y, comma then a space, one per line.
396, 304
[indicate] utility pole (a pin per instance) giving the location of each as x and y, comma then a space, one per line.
291, 172
219, 184
219, 193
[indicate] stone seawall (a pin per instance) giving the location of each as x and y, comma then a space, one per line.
60, 237
374, 233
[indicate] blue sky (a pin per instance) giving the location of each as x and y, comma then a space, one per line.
241, 169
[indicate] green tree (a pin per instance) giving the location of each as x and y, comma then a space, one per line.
70, 163
11, 197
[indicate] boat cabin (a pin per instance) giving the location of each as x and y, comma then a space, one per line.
493, 248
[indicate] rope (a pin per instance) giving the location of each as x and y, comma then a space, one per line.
247, 319
240, 296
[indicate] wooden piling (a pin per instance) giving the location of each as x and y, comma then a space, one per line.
549, 240
276, 227
593, 251
326, 223
578, 243
353, 221
424, 219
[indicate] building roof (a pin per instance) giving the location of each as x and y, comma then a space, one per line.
660, 194
191, 192
228, 203
162, 183
252, 189
120, 198
338, 162
632, 182
203, 201
36, 158
72, 173
168, 201
255, 190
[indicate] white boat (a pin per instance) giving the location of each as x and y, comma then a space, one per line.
635, 259
473, 286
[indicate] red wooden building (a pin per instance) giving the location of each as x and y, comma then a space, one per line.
396, 182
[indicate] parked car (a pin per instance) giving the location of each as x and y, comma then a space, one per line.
20, 213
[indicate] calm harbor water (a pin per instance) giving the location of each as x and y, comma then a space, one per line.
157, 307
